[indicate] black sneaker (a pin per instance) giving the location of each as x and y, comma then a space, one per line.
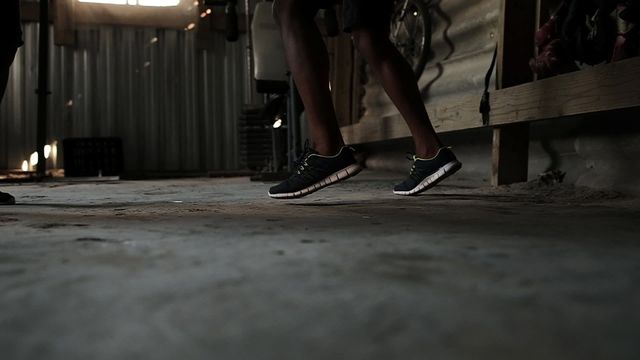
6, 199
315, 172
427, 173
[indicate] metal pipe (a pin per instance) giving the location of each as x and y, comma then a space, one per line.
291, 151
250, 83
43, 88
293, 118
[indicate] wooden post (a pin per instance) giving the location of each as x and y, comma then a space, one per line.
510, 154
43, 87
63, 25
341, 53
515, 49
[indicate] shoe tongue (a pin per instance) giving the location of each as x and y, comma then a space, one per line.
309, 152
306, 154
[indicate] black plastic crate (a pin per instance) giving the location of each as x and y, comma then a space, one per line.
90, 157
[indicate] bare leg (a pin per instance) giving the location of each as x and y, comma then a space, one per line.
308, 60
398, 80
6, 58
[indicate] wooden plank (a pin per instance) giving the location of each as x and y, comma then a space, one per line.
357, 85
516, 42
341, 53
515, 48
510, 154
30, 12
163, 17
602, 88
509, 165
459, 114
63, 25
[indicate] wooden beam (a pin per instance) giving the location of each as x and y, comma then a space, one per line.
459, 114
63, 24
341, 53
515, 49
357, 86
602, 88
516, 42
509, 165
30, 12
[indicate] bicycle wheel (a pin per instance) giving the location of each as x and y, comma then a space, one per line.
411, 32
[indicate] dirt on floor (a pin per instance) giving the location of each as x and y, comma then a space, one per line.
214, 269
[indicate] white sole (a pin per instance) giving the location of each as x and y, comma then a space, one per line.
350, 171
431, 181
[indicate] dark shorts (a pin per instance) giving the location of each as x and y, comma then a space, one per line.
367, 14
363, 13
10, 31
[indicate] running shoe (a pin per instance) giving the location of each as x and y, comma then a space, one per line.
314, 172
427, 173
6, 199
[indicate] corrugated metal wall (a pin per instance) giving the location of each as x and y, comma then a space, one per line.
175, 107
464, 37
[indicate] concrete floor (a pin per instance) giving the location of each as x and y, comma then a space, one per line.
212, 269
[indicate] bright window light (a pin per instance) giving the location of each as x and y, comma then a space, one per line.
158, 2
116, 2
155, 3
47, 151
33, 159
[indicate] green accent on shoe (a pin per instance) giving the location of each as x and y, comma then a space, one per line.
427, 173
315, 172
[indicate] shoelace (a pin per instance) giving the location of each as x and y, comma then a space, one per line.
301, 163
413, 173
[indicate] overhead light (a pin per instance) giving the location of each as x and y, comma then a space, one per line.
54, 152
158, 2
47, 151
113, 2
191, 26
33, 159
278, 123
150, 3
